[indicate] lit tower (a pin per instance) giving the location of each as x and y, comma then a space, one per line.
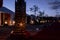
20, 14
1, 3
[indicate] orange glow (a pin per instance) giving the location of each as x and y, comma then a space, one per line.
42, 21
10, 23
6, 22
13, 22
21, 24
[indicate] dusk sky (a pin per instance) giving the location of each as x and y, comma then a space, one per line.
42, 4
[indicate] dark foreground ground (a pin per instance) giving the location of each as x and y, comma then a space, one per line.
51, 32
47, 33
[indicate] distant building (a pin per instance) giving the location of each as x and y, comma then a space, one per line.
6, 15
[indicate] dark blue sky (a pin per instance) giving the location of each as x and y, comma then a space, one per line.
9, 4
42, 4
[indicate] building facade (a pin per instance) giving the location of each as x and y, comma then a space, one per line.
4, 18
6, 15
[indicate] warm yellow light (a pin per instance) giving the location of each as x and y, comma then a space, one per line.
6, 22
42, 21
21, 24
13, 22
10, 23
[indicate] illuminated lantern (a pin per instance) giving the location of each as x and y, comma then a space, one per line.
6, 22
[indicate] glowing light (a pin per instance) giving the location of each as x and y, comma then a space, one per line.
21, 24
13, 22
12, 32
37, 20
6, 22
42, 21
32, 22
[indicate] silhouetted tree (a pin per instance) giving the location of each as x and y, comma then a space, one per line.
31, 9
34, 9
41, 13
